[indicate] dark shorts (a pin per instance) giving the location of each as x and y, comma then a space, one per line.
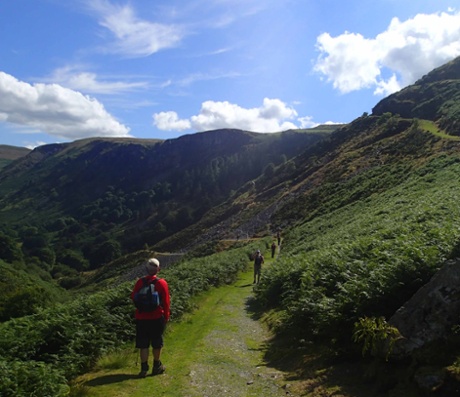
150, 333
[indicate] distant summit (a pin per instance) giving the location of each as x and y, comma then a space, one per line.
10, 153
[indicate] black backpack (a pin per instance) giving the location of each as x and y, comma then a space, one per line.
147, 298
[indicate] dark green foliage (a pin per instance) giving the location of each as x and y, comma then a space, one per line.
104, 252
31, 379
375, 335
72, 259
25, 301
67, 339
23, 293
9, 249
143, 192
368, 257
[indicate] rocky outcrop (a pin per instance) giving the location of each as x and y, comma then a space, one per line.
431, 313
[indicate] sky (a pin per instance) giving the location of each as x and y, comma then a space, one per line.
160, 69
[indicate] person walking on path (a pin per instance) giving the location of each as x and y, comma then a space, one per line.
258, 261
273, 247
151, 323
278, 236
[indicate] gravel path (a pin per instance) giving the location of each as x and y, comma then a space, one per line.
229, 359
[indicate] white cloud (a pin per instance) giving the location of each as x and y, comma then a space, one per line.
71, 77
196, 77
307, 122
135, 37
55, 110
276, 109
407, 50
386, 87
169, 121
274, 115
33, 145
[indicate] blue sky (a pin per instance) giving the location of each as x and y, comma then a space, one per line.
164, 68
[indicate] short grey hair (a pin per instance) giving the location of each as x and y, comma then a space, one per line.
150, 263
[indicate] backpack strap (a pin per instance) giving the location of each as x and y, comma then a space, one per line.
146, 282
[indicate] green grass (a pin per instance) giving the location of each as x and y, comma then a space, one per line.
218, 347
368, 257
430, 126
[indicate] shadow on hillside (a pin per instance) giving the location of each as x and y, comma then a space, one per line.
108, 379
314, 367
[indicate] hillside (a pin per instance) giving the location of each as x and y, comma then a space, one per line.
368, 213
434, 97
10, 153
126, 186
76, 206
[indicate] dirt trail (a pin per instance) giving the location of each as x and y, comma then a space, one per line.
228, 360
218, 350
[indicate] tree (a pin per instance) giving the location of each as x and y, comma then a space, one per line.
25, 301
105, 253
9, 249
72, 259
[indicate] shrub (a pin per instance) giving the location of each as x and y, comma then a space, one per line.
31, 379
365, 258
375, 335
69, 338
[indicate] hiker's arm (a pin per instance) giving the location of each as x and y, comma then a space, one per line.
166, 302
136, 288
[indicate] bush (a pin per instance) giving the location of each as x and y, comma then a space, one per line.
68, 339
31, 379
365, 258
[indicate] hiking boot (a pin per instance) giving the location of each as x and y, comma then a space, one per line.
158, 368
144, 370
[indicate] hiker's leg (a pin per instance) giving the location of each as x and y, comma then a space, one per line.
144, 353
156, 354
142, 343
157, 345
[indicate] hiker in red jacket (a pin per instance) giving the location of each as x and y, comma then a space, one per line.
150, 325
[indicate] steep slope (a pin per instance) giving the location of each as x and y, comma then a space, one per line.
435, 97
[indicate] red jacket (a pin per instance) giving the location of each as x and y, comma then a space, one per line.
164, 309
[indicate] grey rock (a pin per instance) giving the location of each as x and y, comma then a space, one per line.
431, 313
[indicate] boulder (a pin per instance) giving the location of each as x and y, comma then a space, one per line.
431, 313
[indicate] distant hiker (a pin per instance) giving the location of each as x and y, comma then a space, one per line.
273, 249
278, 236
258, 261
151, 320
